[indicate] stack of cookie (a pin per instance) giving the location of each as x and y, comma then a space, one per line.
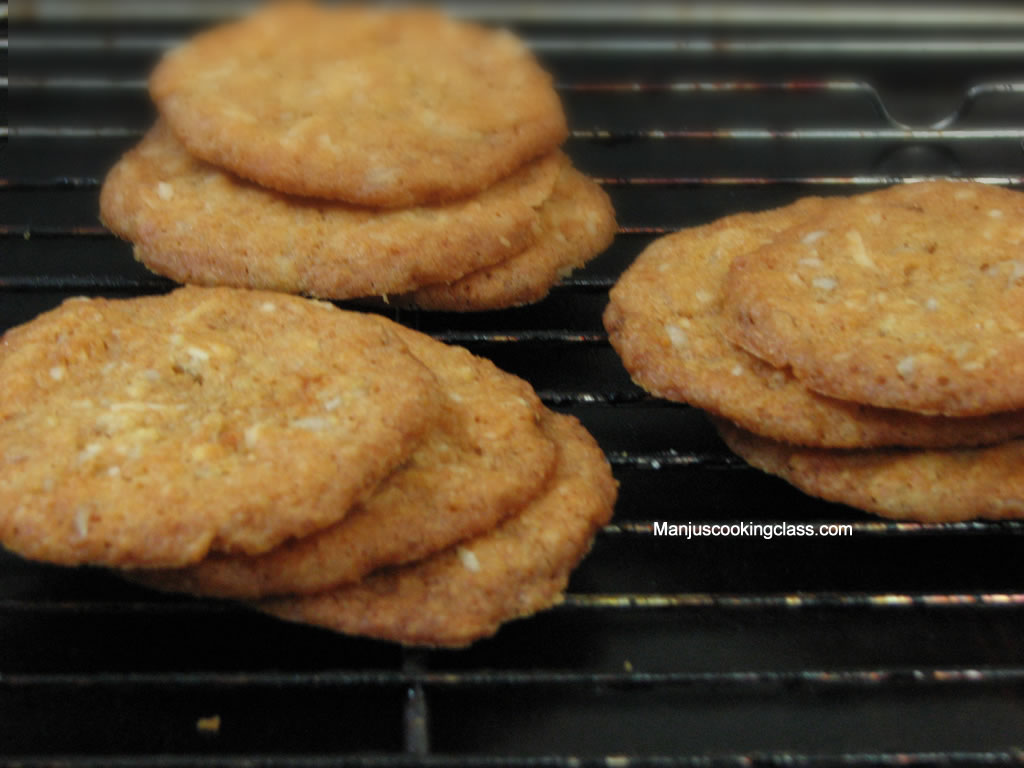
868, 349
328, 467
349, 152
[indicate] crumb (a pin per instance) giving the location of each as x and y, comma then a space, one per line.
209, 724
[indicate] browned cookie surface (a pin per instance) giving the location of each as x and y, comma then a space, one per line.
911, 297
147, 432
486, 458
197, 224
576, 223
930, 486
467, 592
382, 108
667, 321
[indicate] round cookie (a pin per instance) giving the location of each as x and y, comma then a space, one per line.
929, 486
375, 107
196, 224
467, 592
485, 459
665, 319
576, 223
147, 432
911, 297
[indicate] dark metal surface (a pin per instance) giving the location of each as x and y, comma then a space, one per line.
899, 644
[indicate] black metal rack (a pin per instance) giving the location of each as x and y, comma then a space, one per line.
899, 644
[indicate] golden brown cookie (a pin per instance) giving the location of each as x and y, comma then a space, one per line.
196, 224
665, 319
146, 432
911, 297
486, 458
931, 486
376, 107
576, 223
466, 593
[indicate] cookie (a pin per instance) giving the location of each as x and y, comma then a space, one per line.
467, 592
485, 459
146, 432
932, 486
377, 107
196, 224
911, 297
577, 222
666, 318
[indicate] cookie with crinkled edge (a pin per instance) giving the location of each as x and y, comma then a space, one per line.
465, 593
665, 320
197, 224
576, 223
931, 486
147, 432
486, 458
387, 108
911, 297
